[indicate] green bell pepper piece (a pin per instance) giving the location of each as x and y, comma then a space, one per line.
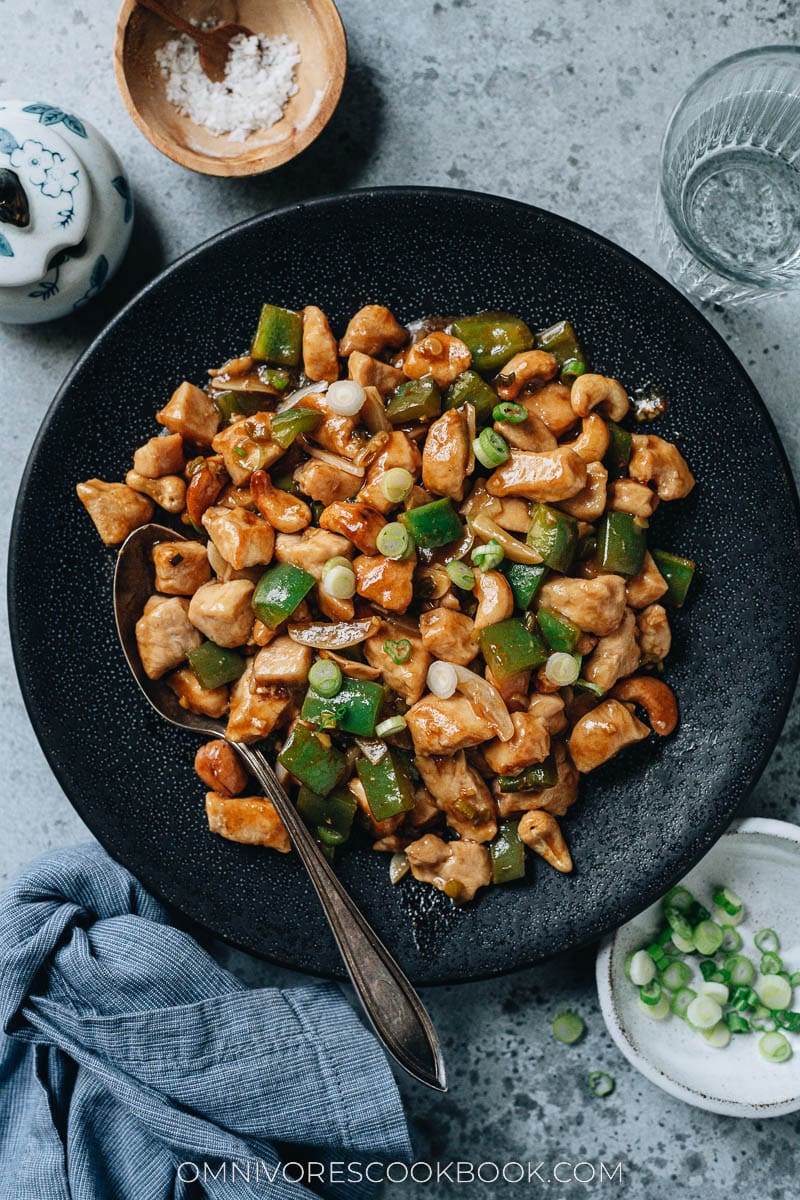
509, 647
354, 708
278, 337
508, 854
554, 536
561, 341
678, 573
312, 760
540, 775
245, 404
387, 785
276, 377
434, 524
415, 400
279, 591
621, 544
559, 633
469, 388
524, 579
493, 338
618, 454
285, 426
215, 665
330, 816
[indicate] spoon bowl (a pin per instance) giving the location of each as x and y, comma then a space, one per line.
315, 26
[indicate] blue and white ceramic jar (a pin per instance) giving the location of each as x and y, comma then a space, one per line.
66, 212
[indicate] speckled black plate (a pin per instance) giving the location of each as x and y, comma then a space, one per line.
642, 820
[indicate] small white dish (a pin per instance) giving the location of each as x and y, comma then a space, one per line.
760, 860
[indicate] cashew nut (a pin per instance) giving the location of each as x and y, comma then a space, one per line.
529, 367
655, 697
592, 441
285, 512
541, 832
440, 355
532, 434
495, 599
168, 491
593, 391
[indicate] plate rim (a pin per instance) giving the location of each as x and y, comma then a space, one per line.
711, 834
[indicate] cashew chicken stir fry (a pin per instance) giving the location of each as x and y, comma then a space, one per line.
417, 562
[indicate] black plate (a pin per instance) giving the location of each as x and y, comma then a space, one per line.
642, 820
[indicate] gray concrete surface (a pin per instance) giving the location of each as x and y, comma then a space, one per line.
562, 106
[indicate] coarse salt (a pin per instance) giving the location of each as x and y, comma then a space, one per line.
259, 80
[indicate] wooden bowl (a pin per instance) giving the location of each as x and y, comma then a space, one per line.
316, 27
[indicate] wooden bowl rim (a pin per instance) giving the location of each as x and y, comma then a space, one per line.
260, 159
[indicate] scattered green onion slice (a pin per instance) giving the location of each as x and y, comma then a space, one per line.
390, 726
718, 991
718, 1035
490, 448
573, 366
762, 1020
442, 679
675, 975
562, 669
567, 1028
767, 941
737, 1023
681, 1001
396, 483
345, 397
740, 968
685, 945
330, 836
771, 964
487, 557
325, 678
707, 937
600, 1083
704, 1012
731, 939
640, 968
774, 992
680, 898
679, 925
794, 979
656, 1012
515, 414
339, 581
394, 541
399, 652
650, 993
461, 575
728, 901
774, 1047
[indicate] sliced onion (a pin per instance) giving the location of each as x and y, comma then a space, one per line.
486, 699
337, 635
348, 666
513, 548
472, 430
371, 449
242, 383
372, 748
398, 867
308, 389
333, 460
373, 412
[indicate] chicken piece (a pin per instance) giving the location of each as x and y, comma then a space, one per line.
225, 572
378, 829
371, 372
407, 678
440, 355
115, 509
548, 477
458, 869
425, 812
279, 508
190, 413
256, 709
355, 521
324, 482
615, 656
461, 794
240, 453
590, 502
540, 831
513, 689
602, 733
160, 456
243, 538
385, 581
655, 461
181, 567
443, 726
399, 451
514, 515
551, 404
205, 702
248, 819
495, 599
311, 549
223, 613
283, 661
372, 329
169, 491
655, 635
626, 495
165, 635
594, 605
549, 709
530, 744
335, 432
220, 768
447, 633
446, 455
647, 586
556, 799
532, 434
333, 607
320, 356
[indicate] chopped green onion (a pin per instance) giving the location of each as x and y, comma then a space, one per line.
762, 1020
515, 414
728, 901
774, 992
345, 397
656, 1012
740, 968
718, 991
567, 1028
394, 541
640, 968
390, 726
488, 557
718, 1036
731, 939
340, 582
680, 898
399, 652
771, 964
685, 945
788, 1020
461, 575
774, 1047
679, 925
767, 941
601, 1084
676, 975
707, 937
650, 993
396, 484
442, 679
737, 1023
325, 677
708, 968
794, 979
704, 1012
574, 366
681, 1000
338, 560
490, 448
656, 952
562, 669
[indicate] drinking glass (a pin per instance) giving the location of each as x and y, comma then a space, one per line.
729, 188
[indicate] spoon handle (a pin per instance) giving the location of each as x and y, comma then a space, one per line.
394, 1008
172, 18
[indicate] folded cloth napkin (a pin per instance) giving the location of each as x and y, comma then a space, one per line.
133, 1066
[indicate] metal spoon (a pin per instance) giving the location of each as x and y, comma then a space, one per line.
213, 44
394, 1008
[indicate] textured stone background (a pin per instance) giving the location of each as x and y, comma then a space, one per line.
562, 106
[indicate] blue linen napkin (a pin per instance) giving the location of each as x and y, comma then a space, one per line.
133, 1066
